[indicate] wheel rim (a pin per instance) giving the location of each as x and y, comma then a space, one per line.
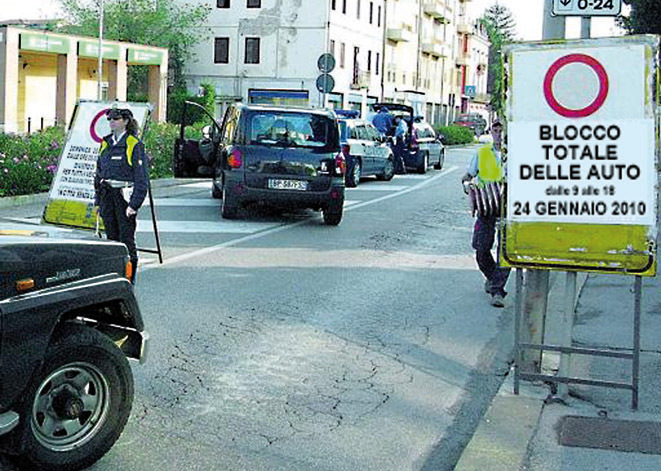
70, 406
390, 168
356, 173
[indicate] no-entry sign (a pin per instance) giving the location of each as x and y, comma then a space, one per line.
581, 155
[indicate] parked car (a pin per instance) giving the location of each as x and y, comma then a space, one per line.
474, 121
366, 151
423, 147
68, 322
285, 157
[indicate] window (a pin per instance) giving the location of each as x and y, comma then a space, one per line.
371, 12
332, 47
221, 51
342, 54
358, 9
254, 3
378, 17
222, 3
333, 4
252, 51
378, 63
344, 6
369, 60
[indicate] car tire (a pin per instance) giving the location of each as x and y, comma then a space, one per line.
89, 380
353, 177
228, 208
216, 193
424, 164
388, 170
441, 160
333, 212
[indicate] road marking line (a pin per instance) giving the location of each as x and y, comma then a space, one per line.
206, 227
284, 226
377, 187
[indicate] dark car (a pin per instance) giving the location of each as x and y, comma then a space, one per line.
474, 121
68, 322
423, 146
285, 157
366, 151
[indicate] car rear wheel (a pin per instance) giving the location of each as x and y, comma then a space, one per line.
78, 404
216, 193
353, 178
388, 170
441, 160
333, 212
228, 208
424, 164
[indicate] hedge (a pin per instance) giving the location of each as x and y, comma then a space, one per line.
454, 135
28, 163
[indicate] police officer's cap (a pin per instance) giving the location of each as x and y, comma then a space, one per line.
123, 113
497, 122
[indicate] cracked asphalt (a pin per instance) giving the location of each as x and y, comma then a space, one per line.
368, 346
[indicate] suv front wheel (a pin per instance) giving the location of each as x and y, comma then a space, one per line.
79, 403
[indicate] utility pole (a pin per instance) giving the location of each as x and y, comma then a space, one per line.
99, 68
536, 282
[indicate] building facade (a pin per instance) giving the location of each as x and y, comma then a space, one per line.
43, 74
402, 51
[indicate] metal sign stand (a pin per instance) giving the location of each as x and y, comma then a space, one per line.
562, 379
153, 220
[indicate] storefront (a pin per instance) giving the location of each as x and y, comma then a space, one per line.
42, 75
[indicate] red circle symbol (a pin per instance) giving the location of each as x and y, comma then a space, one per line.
581, 59
96, 118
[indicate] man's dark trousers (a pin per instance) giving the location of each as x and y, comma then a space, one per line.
484, 235
117, 226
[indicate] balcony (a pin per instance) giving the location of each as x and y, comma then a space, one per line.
435, 48
436, 9
464, 58
401, 33
361, 80
464, 28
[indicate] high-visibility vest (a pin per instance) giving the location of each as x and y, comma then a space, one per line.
489, 169
131, 142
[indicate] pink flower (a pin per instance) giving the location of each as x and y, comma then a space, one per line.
54, 145
51, 168
15, 159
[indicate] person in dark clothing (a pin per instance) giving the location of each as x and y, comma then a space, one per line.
121, 181
401, 136
382, 121
486, 167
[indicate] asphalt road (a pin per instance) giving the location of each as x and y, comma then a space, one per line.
279, 343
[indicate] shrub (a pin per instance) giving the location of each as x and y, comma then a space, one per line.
454, 135
159, 146
28, 163
177, 98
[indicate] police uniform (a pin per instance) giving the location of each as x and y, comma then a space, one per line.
121, 171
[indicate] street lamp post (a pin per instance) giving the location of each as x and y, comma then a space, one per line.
100, 64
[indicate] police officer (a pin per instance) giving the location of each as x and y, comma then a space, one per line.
121, 181
486, 167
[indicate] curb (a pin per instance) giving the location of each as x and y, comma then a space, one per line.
500, 442
24, 200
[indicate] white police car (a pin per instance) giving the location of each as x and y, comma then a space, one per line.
365, 150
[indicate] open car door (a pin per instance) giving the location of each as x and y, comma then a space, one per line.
195, 152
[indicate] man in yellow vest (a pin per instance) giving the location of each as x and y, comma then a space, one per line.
486, 167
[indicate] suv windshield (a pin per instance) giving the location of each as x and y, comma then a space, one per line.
291, 129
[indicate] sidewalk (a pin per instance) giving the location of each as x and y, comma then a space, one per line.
524, 433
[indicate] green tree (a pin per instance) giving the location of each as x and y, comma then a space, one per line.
501, 28
162, 23
645, 17
501, 19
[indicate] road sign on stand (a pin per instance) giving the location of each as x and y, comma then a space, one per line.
325, 83
587, 7
581, 157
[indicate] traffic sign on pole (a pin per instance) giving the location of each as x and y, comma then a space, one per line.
581, 157
587, 7
326, 63
325, 83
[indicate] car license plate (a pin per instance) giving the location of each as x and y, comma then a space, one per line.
276, 184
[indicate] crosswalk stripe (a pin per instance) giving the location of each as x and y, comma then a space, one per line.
377, 187
183, 202
205, 227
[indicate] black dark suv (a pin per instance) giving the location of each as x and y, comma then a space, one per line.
68, 322
285, 157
